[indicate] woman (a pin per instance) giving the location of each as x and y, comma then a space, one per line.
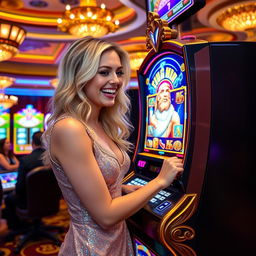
8, 161
86, 144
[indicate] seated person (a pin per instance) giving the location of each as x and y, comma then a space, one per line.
18, 196
8, 161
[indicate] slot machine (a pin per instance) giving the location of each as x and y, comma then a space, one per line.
196, 103
26, 122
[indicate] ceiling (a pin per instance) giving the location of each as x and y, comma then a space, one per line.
36, 63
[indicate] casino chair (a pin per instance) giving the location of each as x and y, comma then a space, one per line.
43, 200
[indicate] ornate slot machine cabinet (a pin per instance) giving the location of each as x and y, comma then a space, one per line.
196, 103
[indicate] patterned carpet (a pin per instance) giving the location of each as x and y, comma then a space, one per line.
42, 246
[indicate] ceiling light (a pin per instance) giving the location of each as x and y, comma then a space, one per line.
6, 81
11, 36
240, 17
88, 20
5, 100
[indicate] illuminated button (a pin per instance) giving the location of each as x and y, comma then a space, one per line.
163, 206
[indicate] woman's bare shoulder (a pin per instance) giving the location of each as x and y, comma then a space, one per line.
69, 137
68, 128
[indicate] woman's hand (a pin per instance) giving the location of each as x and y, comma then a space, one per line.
171, 169
126, 189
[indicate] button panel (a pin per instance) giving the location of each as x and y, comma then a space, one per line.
160, 202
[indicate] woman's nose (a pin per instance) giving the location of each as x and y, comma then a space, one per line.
114, 79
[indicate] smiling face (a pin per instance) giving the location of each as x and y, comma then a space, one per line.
101, 91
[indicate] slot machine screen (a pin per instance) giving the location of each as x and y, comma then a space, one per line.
174, 10
26, 123
165, 93
8, 180
4, 125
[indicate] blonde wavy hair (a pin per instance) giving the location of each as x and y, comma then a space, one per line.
78, 66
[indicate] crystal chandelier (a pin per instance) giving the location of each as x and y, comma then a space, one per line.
239, 17
5, 100
88, 20
11, 36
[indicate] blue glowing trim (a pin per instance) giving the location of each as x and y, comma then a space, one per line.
29, 92
45, 92
32, 81
132, 84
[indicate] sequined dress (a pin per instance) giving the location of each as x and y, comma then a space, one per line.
85, 237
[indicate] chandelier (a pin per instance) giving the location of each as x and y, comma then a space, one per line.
239, 17
88, 20
6, 81
5, 100
11, 36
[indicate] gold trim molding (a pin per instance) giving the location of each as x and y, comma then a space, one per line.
172, 230
158, 31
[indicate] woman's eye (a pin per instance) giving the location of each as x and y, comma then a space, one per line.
104, 72
119, 73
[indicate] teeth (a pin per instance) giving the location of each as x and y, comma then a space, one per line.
112, 91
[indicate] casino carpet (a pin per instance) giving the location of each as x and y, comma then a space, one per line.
41, 247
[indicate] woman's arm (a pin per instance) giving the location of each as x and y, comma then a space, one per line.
126, 189
17, 162
72, 147
6, 165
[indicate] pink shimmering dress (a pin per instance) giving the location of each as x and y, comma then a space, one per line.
85, 237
